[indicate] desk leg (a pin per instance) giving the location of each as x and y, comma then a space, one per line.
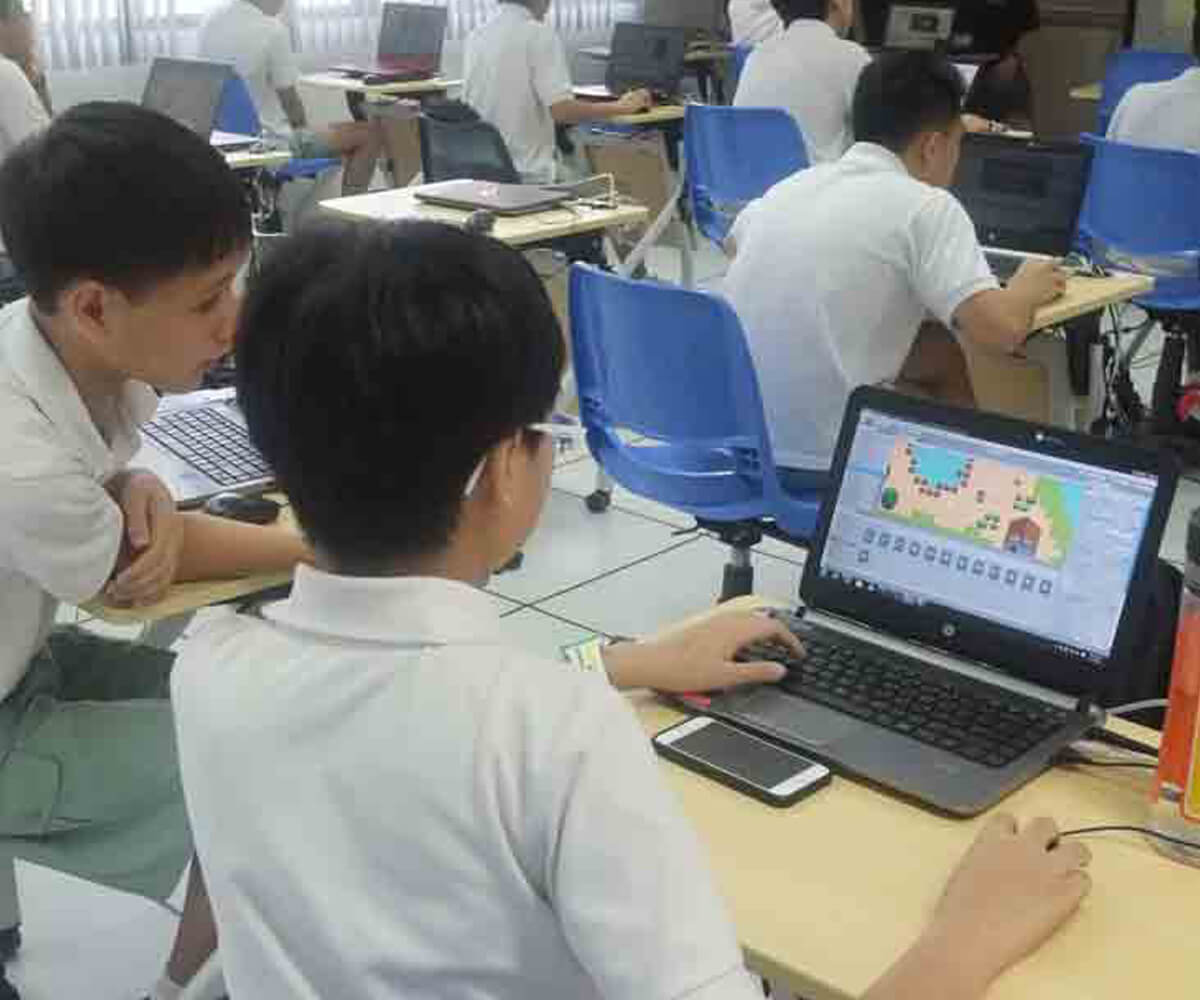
163, 633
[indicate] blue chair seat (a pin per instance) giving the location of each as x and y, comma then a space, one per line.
304, 169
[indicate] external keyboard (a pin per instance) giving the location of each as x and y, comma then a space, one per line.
209, 442
899, 693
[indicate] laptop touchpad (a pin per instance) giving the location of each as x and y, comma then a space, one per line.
812, 725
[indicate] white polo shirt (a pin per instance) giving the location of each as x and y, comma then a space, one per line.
811, 73
836, 268
60, 531
514, 69
1165, 115
21, 111
753, 21
260, 49
392, 801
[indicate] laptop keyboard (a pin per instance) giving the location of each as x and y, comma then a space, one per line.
898, 693
210, 442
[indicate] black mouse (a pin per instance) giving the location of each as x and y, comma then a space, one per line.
480, 222
252, 510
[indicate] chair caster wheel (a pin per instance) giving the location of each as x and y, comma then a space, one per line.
599, 501
515, 563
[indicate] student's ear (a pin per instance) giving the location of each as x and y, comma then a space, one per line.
91, 308
504, 470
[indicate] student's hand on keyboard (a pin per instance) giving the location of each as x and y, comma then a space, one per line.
153, 540
1043, 281
1012, 891
702, 657
634, 101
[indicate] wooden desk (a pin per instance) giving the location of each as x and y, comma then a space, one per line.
401, 203
1089, 295
408, 88
826, 894
256, 160
1088, 92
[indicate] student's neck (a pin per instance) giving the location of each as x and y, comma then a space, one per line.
98, 385
454, 563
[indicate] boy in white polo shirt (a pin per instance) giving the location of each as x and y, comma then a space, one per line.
753, 21
390, 798
516, 78
127, 229
838, 266
810, 71
1165, 115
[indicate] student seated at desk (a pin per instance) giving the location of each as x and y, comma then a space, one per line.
128, 231
810, 71
838, 266
753, 21
391, 799
1164, 115
249, 35
516, 78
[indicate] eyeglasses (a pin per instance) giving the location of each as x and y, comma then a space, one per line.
565, 433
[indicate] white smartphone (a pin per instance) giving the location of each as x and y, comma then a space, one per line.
741, 761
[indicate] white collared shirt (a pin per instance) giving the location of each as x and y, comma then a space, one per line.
1164, 115
836, 268
21, 110
811, 73
514, 69
260, 49
60, 531
390, 800
753, 21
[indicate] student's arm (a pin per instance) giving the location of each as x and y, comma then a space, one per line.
570, 111
699, 657
293, 107
22, 111
1000, 319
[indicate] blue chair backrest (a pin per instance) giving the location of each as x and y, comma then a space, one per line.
1143, 203
733, 155
672, 364
1133, 66
236, 112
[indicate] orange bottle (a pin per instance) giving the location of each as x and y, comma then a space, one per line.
1176, 807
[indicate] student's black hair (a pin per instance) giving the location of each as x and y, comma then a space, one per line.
901, 94
377, 363
795, 10
115, 193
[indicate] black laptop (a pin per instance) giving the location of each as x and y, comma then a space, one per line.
642, 57
1024, 197
410, 45
971, 594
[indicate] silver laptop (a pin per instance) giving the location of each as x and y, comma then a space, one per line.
501, 199
410, 44
188, 90
232, 142
198, 445
918, 26
973, 591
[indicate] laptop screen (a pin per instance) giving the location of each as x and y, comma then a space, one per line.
645, 56
188, 90
918, 26
1010, 543
1023, 195
412, 30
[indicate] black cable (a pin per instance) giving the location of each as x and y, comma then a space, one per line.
1087, 831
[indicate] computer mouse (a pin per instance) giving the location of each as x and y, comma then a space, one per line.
252, 510
481, 222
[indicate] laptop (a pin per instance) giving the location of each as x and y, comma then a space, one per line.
232, 142
198, 445
1023, 196
410, 45
188, 90
500, 199
971, 591
642, 57
703, 20
918, 26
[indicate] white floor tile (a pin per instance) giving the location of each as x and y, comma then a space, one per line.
81, 940
579, 479
662, 591
572, 545
542, 634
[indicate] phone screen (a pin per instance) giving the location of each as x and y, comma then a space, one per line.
751, 759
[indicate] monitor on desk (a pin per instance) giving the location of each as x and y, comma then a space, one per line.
647, 57
1023, 196
700, 18
188, 90
918, 26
